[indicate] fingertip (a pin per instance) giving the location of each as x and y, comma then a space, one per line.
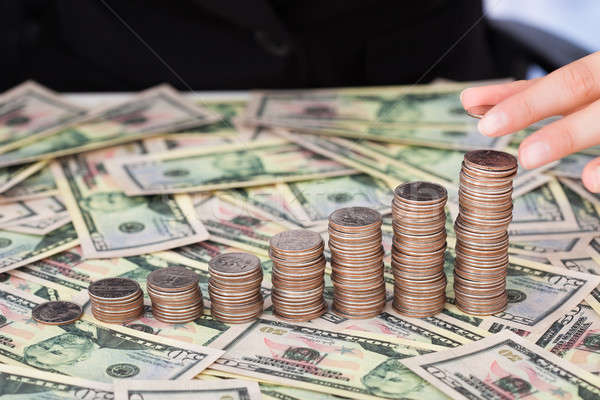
533, 154
467, 99
591, 176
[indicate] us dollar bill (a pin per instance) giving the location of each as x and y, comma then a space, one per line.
572, 165
18, 249
537, 294
39, 184
208, 390
90, 350
43, 225
574, 337
151, 112
27, 383
110, 223
248, 164
13, 176
31, 111
297, 355
504, 366
28, 211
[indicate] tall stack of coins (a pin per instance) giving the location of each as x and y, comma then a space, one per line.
485, 199
116, 300
418, 248
234, 287
175, 295
357, 262
298, 275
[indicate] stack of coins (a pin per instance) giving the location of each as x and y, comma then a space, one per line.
234, 287
175, 295
485, 199
418, 248
116, 300
356, 262
298, 275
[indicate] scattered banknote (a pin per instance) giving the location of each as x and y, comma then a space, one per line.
359, 367
229, 166
30, 112
28, 211
42, 226
504, 366
111, 224
39, 184
154, 111
12, 176
28, 383
216, 390
89, 350
17, 249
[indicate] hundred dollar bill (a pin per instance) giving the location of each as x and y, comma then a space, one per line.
13, 176
190, 390
30, 384
359, 367
40, 184
222, 167
91, 350
111, 224
17, 249
538, 294
30, 111
43, 225
504, 366
313, 201
574, 337
152, 112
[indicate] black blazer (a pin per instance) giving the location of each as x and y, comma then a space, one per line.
88, 45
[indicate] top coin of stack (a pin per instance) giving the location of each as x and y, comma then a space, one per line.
485, 211
175, 295
418, 248
357, 262
116, 300
298, 275
234, 287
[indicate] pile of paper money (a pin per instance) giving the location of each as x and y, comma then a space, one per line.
164, 179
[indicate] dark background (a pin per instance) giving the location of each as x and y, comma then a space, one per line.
129, 45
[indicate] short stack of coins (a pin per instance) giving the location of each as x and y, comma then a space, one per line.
175, 295
298, 275
355, 242
418, 250
116, 300
485, 200
234, 287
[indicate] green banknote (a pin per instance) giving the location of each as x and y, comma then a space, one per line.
152, 112
30, 210
572, 165
27, 286
205, 390
42, 226
504, 366
538, 294
574, 337
112, 224
39, 184
350, 365
30, 384
90, 350
17, 249
30, 112
236, 165
13, 176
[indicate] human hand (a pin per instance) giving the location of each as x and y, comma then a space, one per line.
572, 91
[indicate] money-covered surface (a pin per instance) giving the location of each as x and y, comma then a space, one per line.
30, 111
504, 366
90, 350
231, 389
249, 164
27, 383
111, 224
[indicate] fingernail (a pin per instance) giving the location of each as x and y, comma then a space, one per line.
492, 122
460, 96
535, 154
